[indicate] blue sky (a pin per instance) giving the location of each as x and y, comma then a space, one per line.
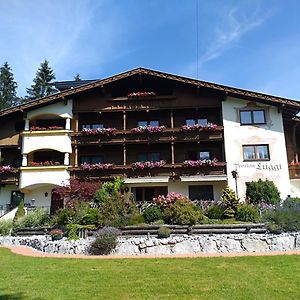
248, 44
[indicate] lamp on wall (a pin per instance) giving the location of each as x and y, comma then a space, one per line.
32, 202
235, 174
46, 194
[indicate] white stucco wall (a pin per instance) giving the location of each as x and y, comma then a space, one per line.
41, 196
31, 177
59, 109
236, 135
295, 187
5, 194
54, 141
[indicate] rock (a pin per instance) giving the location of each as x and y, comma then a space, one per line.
254, 245
186, 247
161, 249
230, 245
209, 246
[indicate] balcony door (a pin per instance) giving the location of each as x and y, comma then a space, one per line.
146, 194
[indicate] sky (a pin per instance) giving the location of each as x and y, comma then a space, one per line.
251, 44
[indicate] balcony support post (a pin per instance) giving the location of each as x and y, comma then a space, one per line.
68, 124
124, 120
26, 127
172, 118
67, 159
172, 153
124, 155
24, 160
76, 156
75, 122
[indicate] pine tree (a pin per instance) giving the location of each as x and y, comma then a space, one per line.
229, 202
8, 87
42, 85
77, 77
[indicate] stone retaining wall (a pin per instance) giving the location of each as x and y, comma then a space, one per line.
218, 243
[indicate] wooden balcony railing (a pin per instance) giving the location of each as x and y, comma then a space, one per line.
172, 170
294, 171
166, 136
11, 177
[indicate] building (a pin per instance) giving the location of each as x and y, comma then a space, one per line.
160, 131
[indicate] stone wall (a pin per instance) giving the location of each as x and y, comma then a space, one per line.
181, 244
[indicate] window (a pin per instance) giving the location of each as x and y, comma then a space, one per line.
192, 122
201, 192
142, 194
194, 155
256, 152
15, 198
153, 123
92, 126
151, 156
249, 117
203, 155
92, 159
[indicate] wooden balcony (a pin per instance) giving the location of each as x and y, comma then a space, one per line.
11, 177
172, 170
294, 171
166, 136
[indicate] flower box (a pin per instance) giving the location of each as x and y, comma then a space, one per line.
44, 163
148, 129
99, 166
148, 165
141, 94
6, 169
200, 163
36, 128
198, 127
99, 131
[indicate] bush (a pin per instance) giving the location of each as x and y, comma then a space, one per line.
92, 217
152, 214
182, 213
214, 211
163, 232
20, 213
5, 227
105, 242
37, 218
247, 213
287, 218
56, 234
229, 202
262, 191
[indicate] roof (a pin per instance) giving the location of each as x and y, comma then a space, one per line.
227, 90
65, 85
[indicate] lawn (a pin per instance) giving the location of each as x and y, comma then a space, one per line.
276, 277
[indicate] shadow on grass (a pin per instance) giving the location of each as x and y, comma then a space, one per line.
17, 296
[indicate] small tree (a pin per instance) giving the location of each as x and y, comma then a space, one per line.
20, 213
42, 85
77, 77
8, 87
262, 191
229, 202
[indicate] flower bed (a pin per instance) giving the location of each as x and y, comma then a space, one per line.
44, 163
36, 128
200, 162
148, 129
148, 164
141, 94
98, 131
198, 127
98, 166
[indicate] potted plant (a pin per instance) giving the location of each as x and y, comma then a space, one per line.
56, 234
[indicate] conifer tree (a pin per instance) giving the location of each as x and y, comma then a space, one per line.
229, 202
77, 77
42, 85
8, 87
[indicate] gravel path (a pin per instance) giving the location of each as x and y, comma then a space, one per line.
27, 251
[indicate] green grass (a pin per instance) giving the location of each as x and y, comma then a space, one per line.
276, 277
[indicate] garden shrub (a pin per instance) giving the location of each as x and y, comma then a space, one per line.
165, 201
229, 202
92, 217
247, 213
105, 242
214, 211
163, 232
287, 218
72, 231
262, 191
152, 214
5, 227
182, 213
20, 213
34, 219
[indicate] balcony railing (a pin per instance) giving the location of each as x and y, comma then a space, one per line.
167, 135
10, 177
172, 170
294, 171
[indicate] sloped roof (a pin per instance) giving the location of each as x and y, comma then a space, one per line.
227, 90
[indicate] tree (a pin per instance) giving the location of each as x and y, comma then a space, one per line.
229, 202
42, 85
77, 77
8, 87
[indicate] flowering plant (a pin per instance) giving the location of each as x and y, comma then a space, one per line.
294, 163
104, 131
43, 163
148, 164
6, 169
171, 198
148, 129
199, 127
56, 234
200, 162
37, 128
98, 166
141, 94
